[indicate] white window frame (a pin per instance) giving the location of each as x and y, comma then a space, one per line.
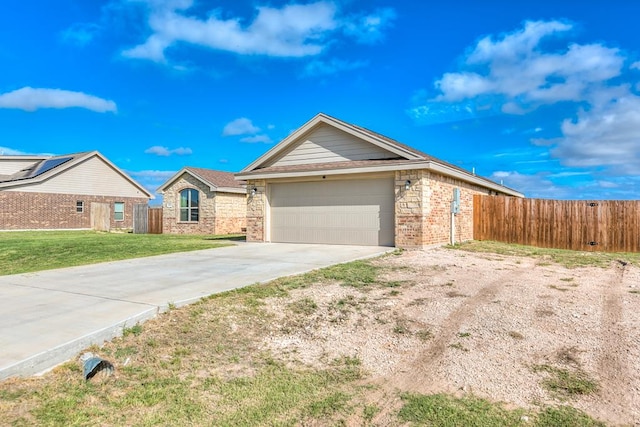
116, 212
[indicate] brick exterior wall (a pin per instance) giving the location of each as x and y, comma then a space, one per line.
256, 210
50, 211
231, 213
219, 213
423, 213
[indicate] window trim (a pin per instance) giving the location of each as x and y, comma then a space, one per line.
79, 206
115, 211
189, 209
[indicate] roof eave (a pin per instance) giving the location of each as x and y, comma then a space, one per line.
428, 164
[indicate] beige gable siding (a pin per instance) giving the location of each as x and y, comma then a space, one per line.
11, 166
91, 177
327, 144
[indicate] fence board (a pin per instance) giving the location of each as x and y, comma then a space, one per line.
587, 225
155, 221
140, 219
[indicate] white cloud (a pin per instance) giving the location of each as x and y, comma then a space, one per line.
257, 138
606, 135
332, 66
30, 99
635, 65
6, 151
294, 30
241, 126
516, 69
515, 74
166, 152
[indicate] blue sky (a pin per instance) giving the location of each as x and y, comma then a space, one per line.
543, 96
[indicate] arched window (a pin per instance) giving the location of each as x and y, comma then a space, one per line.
189, 205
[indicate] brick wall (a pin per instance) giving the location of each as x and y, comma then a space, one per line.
219, 213
256, 209
49, 211
423, 213
231, 213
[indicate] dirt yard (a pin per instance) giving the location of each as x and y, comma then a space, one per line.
491, 325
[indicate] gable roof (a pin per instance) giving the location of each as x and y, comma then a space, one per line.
406, 158
46, 167
216, 180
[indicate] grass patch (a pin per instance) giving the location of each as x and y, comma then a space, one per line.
132, 330
567, 258
447, 411
565, 382
27, 251
565, 416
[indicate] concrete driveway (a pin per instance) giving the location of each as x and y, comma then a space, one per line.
50, 316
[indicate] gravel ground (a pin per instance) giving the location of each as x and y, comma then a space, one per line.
458, 322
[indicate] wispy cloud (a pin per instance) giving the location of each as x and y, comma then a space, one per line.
80, 33
155, 175
31, 99
159, 150
331, 66
6, 151
257, 138
515, 73
151, 179
294, 30
241, 126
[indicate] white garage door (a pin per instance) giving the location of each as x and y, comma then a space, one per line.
349, 212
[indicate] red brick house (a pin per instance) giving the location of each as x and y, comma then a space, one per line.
72, 191
203, 201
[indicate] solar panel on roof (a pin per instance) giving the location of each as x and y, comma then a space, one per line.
47, 165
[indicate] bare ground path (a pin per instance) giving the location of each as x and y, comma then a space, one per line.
481, 324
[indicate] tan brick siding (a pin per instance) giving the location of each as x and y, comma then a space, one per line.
48, 211
231, 213
423, 213
256, 210
219, 213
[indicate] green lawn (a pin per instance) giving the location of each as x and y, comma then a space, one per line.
27, 251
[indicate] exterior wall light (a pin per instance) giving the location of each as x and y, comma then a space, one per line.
407, 184
254, 191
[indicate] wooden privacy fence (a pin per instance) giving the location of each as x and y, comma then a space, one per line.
140, 218
609, 226
155, 221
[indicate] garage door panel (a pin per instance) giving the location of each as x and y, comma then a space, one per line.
359, 212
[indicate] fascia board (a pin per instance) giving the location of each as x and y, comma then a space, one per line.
232, 190
430, 165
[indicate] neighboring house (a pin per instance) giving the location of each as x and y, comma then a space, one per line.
203, 201
337, 183
73, 191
